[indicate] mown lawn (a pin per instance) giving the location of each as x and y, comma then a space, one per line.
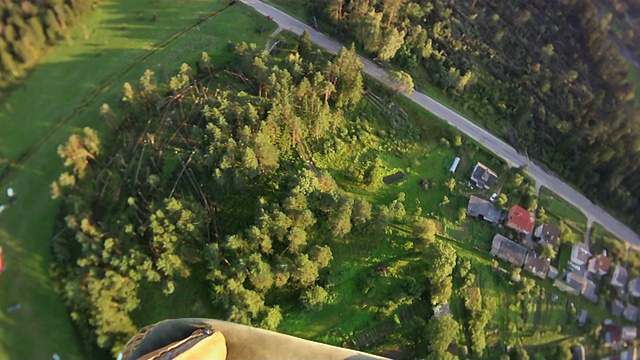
68, 88
295, 8
558, 207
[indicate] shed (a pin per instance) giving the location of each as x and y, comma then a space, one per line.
454, 166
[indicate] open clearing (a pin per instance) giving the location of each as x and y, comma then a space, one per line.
65, 93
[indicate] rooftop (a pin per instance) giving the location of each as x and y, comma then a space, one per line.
536, 265
580, 254
630, 313
617, 307
480, 207
548, 233
620, 277
520, 219
599, 264
483, 176
634, 287
508, 250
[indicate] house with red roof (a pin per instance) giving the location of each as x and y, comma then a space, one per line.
599, 265
520, 220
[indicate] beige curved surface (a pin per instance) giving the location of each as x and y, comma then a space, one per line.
245, 342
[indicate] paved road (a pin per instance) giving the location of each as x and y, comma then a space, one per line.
499, 147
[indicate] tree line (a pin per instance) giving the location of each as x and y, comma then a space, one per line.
543, 75
29, 28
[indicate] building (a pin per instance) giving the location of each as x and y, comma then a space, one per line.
629, 333
617, 307
483, 209
583, 316
630, 313
629, 354
574, 283
634, 287
520, 220
553, 273
578, 353
599, 265
484, 177
536, 265
454, 166
508, 250
620, 277
613, 336
589, 291
580, 254
548, 234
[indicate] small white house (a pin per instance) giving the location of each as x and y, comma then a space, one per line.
454, 166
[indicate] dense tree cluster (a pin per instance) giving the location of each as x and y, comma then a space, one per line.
28, 28
476, 316
544, 75
204, 178
441, 260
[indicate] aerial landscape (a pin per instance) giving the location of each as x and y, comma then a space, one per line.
407, 178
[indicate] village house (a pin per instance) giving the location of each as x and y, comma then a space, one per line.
578, 353
579, 255
483, 209
613, 336
589, 291
629, 354
520, 220
620, 277
599, 265
634, 287
583, 316
536, 265
617, 307
508, 250
629, 333
574, 283
630, 313
484, 177
548, 234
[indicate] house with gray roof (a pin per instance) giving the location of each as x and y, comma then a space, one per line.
578, 353
583, 316
589, 291
629, 354
617, 307
620, 277
484, 177
536, 265
634, 287
580, 254
574, 283
548, 234
630, 313
483, 209
508, 250
629, 333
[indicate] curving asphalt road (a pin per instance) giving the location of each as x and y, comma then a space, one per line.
491, 142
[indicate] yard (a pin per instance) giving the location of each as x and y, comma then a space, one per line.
560, 209
63, 94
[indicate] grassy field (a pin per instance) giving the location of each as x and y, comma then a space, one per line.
62, 95
561, 209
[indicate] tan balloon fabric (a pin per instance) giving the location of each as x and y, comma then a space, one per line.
213, 347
